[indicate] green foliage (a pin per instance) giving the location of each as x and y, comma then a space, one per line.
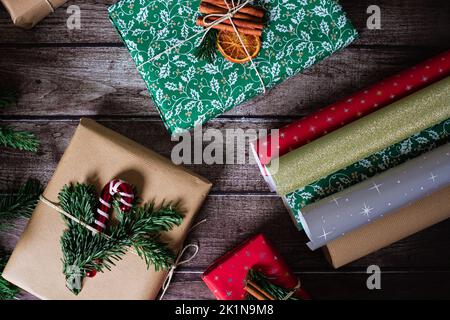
139, 229
207, 49
10, 137
16, 139
265, 284
7, 98
19, 203
7, 290
14, 204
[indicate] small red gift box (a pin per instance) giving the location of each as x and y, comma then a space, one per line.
226, 276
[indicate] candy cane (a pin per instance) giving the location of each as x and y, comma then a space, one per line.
109, 193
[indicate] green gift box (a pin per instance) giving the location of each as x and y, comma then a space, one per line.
188, 91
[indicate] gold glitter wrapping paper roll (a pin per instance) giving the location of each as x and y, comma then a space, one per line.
362, 138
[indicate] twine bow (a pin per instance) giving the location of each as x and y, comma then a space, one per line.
178, 262
293, 291
175, 265
50, 5
236, 5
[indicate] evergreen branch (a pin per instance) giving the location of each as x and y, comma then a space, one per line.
7, 98
265, 284
84, 250
16, 139
7, 290
207, 49
19, 203
80, 200
154, 252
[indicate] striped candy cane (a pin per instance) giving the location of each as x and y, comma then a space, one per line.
109, 193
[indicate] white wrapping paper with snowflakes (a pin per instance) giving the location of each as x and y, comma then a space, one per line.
189, 91
376, 197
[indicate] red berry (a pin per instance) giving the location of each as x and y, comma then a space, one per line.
91, 273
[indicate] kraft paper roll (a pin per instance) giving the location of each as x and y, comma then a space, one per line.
362, 138
390, 229
365, 202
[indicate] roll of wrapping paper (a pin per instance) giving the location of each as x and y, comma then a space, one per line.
351, 108
392, 228
368, 167
362, 138
365, 202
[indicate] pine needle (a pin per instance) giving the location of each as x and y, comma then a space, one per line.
7, 290
265, 284
207, 49
19, 203
16, 139
140, 229
15, 204
7, 98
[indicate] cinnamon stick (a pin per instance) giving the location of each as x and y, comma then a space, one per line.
208, 8
248, 9
254, 286
253, 292
239, 22
229, 28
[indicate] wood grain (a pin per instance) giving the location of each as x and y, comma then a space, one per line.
404, 23
235, 210
104, 81
224, 230
62, 75
338, 286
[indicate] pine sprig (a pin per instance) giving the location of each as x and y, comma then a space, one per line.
265, 284
207, 49
14, 204
7, 98
19, 203
139, 228
17, 139
7, 290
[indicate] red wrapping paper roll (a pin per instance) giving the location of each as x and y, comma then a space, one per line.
351, 108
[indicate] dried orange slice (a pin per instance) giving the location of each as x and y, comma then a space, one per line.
231, 48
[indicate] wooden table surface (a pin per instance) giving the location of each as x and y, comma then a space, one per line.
62, 75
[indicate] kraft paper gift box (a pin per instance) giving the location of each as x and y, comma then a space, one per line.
27, 13
97, 155
188, 91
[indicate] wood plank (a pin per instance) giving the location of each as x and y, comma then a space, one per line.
404, 22
329, 285
240, 200
232, 219
338, 286
104, 81
55, 136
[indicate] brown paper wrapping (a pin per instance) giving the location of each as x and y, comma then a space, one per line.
385, 231
96, 155
27, 13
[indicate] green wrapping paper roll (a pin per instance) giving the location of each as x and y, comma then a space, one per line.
362, 138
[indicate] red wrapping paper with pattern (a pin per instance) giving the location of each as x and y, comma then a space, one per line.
226, 276
351, 108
